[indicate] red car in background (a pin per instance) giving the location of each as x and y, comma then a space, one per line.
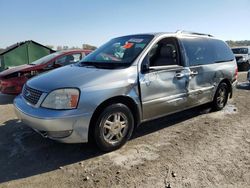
13, 79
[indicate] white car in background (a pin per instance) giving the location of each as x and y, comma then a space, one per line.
242, 55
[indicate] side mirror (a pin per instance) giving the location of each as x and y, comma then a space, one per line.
145, 68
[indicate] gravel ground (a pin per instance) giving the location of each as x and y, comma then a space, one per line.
195, 148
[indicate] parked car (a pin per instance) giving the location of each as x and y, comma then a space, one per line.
242, 55
127, 81
13, 79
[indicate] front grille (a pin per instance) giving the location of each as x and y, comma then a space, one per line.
31, 95
238, 58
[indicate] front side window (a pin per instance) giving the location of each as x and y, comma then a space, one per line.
45, 59
120, 51
164, 53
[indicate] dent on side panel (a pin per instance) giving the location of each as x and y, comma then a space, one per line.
163, 93
122, 83
202, 87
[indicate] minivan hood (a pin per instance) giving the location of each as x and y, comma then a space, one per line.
81, 77
15, 69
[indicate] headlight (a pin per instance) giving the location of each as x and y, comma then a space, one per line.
62, 99
244, 59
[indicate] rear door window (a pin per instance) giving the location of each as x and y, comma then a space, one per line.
198, 51
203, 51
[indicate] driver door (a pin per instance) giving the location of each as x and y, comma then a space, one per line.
164, 84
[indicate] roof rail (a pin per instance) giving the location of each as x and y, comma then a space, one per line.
192, 33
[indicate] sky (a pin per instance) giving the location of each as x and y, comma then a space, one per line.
75, 22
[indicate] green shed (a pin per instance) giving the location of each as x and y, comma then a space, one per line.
22, 53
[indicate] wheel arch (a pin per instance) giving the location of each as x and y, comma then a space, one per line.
229, 85
126, 100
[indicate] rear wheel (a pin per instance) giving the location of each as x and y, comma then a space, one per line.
221, 97
113, 127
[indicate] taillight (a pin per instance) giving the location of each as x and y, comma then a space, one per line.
236, 73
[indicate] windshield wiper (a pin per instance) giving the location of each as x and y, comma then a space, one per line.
223, 61
86, 64
108, 65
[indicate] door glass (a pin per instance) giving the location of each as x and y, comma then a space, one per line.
198, 51
201, 51
164, 53
221, 50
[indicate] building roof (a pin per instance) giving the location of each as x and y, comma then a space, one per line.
14, 46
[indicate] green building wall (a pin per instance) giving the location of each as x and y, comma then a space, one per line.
23, 54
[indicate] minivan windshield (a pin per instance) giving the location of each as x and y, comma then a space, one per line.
118, 52
45, 59
240, 50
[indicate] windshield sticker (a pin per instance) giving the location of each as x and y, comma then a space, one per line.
135, 40
128, 45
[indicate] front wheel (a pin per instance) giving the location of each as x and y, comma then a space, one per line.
113, 127
221, 97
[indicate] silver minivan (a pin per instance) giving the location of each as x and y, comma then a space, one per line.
127, 81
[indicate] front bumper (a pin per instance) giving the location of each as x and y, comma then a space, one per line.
62, 125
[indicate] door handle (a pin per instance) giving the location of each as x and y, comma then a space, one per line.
193, 73
179, 75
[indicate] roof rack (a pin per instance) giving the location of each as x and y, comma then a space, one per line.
192, 33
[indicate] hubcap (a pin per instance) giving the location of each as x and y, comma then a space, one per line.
221, 99
115, 127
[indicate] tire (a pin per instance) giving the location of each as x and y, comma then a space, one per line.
220, 97
113, 127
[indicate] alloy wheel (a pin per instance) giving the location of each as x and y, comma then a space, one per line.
115, 127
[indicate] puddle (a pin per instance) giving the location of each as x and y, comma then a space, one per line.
135, 156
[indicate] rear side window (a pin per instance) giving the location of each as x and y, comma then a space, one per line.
202, 51
222, 51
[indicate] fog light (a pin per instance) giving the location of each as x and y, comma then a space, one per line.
59, 134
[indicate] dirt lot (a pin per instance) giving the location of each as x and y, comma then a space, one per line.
195, 148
